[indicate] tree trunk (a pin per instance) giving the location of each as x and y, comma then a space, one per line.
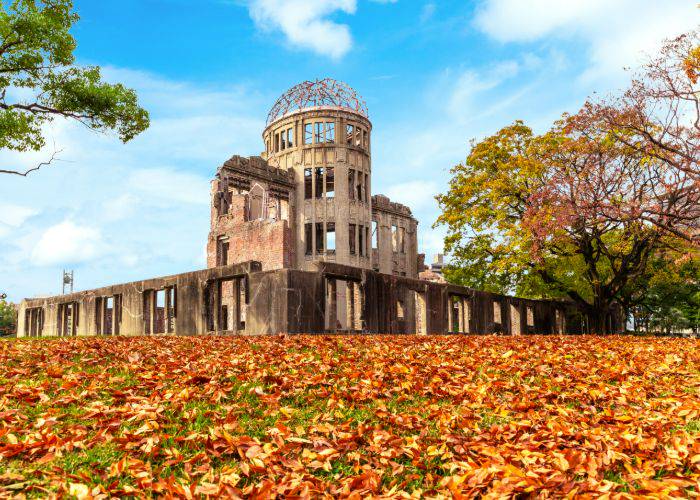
599, 311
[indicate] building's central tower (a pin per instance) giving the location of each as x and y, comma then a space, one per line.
322, 132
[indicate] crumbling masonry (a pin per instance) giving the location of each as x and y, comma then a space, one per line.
299, 244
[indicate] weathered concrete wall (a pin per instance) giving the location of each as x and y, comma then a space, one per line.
340, 144
191, 292
251, 214
393, 223
243, 299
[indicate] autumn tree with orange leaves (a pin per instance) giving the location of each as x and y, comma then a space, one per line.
580, 211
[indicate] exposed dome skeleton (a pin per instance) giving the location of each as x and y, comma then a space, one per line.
310, 94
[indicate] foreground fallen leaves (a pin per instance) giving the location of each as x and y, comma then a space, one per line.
350, 416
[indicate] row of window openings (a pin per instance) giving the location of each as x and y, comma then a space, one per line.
358, 239
159, 313
258, 204
107, 318
320, 181
160, 309
321, 133
363, 238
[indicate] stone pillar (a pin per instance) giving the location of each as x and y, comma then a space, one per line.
466, 314
357, 306
331, 304
350, 301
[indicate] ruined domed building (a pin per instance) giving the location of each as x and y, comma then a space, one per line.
300, 244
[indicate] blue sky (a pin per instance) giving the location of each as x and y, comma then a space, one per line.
434, 74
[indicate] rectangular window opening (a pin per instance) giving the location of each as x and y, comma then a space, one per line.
351, 184
308, 184
227, 296
318, 132
400, 309
351, 238
395, 238
34, 322
290, 137
319, 181
330, 132
319, 237
330, 182
330, 238
308, 238
375, 235
222, 246
349, 132
68, 315
308, 133
109, 316
159, 312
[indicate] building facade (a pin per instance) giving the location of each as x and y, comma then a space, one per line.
308, 197
299, 243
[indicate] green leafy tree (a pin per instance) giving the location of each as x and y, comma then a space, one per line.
532, 214
8, 317
40, 81
668, 298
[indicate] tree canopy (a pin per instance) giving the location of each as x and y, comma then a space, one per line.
39, 80
582, 210
8, 317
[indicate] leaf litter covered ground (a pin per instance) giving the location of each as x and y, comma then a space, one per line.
350, 416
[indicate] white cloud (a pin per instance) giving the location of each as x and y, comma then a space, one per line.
305, 23
528, 20
147, 200
618, 34
15, 215
469, 84
67, 243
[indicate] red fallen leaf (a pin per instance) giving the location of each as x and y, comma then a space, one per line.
46, 458
54, 371
360, 416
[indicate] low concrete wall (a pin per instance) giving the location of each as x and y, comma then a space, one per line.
292, 301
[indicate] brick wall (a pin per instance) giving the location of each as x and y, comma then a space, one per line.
267, 241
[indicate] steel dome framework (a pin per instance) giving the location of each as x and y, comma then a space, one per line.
309, 94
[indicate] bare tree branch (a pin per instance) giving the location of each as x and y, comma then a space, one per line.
27, 172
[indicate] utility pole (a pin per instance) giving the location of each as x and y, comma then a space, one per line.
67, 281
